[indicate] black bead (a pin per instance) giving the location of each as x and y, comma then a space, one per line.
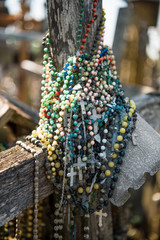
71, 190
99, 207
78, 203
84, 208
106, 202
110, 194
115, 178
120, 161
91, 210
117, 169
112, 186
122, 153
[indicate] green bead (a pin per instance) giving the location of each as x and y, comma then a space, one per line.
46, 50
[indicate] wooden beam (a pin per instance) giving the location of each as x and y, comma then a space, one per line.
16, 181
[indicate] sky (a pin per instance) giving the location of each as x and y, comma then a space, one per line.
111, 9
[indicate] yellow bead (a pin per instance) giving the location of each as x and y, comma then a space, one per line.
34, 133
119, 138
61, 113
108, 172
114, 155
125, 118
57, 164
60, 119
54, 156
125, 124
122, 130
50, 135
130, 114
111, 164
96, 186
55, 137
49, 148
80, 190
69, 196
61, 172
87, 189
54, 143
57, 131
131, 110
116, 146
52, 164
54, 174
53, 169
49, 152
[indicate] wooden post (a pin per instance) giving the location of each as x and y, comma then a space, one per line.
63, 19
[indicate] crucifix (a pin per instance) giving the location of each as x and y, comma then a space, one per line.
66, 117
79, 165
92, 160
95, 116
101, 215
71, 175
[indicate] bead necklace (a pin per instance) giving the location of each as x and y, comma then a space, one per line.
85, 124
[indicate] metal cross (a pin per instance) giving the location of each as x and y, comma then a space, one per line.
71, 175
101, 215
134, 135
92, 160
79, 165
66, 117
83, 109
94, 115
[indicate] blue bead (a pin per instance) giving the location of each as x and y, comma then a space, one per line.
74, 66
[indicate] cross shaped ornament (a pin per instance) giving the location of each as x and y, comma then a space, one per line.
79, 165
92, 160
101, 215
71, 175
66, 117
95, 116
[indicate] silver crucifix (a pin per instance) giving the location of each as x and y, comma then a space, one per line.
79, 165
71, 175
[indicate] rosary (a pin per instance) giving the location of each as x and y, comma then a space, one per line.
85, 125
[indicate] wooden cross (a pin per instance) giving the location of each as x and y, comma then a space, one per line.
71, 175
101, 215
79, 165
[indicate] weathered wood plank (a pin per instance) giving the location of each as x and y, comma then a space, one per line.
16, 181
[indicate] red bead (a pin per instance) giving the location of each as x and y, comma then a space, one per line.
94, 10
86, 35
88, 29
57, 93
92, 20
80, 51
94, 4
84, 40
94, 15
88, 25
82, 46
77, 58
